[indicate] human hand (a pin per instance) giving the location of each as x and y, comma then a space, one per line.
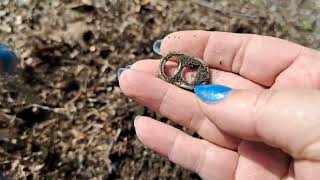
243, 132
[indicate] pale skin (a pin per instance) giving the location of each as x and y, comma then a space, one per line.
267, 129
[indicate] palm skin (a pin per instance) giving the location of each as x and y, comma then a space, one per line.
229, 150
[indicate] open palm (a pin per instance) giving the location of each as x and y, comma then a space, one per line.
240, 61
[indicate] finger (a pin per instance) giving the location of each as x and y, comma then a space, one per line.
303, 73
174, 103
258, 58
305, 170
208, 160
260, 161
274, 117
216, 76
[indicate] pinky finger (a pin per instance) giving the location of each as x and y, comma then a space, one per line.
206, 159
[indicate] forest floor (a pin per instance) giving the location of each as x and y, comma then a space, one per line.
63, 115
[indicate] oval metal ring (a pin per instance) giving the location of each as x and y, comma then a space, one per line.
202, 73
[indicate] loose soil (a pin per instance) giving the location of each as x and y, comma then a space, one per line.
63, 115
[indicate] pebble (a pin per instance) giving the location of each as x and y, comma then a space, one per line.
92, 48
23, 2
3, 13
18, 20
6, 28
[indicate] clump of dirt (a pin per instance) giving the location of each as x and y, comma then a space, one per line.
64, 116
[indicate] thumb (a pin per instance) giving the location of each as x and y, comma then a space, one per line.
286, 119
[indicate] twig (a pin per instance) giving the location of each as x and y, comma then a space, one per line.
115, 138
55, 110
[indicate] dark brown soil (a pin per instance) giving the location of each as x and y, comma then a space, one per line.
64, 117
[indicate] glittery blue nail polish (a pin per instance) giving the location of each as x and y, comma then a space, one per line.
211, 93
120, 70
156, 46
8, 59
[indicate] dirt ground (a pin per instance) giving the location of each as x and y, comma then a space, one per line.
63, 116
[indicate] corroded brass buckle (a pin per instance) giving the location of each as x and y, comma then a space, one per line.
202, 73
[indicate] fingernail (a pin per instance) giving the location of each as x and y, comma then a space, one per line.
211, 93
156, 46
120, 70
8, 59
136, 119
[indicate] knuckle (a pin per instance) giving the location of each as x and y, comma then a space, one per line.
201, 160
163, 100
263, 100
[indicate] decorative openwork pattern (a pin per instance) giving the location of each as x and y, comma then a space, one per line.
202, 73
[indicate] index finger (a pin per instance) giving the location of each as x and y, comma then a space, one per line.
258, 58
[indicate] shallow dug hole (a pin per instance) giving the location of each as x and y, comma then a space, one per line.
64, 116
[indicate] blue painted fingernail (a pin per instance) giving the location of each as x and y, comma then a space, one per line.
211, 93
8, 59
120, 70
156, 46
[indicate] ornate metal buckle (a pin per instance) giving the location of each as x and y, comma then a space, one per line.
202, 74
